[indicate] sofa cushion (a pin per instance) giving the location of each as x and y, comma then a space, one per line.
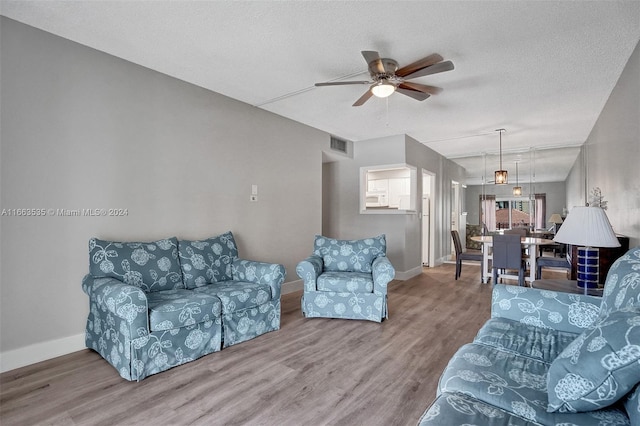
237, 295
599, 367
513, 383
632, 405
349, 255
540, 343
622, 287
352, 282
207, 261
461, 409
152, 266
179, 308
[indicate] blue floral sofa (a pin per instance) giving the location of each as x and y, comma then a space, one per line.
346, 279
550, 358
156, 305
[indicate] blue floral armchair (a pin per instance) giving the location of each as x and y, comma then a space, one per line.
346, 279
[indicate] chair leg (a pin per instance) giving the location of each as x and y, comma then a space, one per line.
458, 268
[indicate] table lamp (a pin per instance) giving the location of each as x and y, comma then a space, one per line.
556, 219
588, 228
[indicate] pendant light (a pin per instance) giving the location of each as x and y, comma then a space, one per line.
517, 190
501, 175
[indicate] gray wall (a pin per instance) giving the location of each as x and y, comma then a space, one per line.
82, 129
555, 195
611, 155
342, 218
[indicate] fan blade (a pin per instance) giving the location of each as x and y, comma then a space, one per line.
341, 83
418, 65
432, 90
433, 69
419, 96
371, 56
364, 98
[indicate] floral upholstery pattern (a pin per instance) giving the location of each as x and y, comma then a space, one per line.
599, 367
541, 343
460, 409
547, 309
354, 282
349, 255
208, 261
632, 405
142, 318
346, 279
152, 266
178, 308
550, 358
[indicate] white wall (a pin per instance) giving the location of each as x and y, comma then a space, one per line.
611, 156
82, 129
342, 218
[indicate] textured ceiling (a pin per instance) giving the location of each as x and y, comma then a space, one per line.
542, 70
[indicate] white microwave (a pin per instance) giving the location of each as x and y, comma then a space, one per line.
376, 199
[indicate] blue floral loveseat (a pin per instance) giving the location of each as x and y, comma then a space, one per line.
346, 279
550, 358
156, 305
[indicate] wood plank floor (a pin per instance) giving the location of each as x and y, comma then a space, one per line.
311, 372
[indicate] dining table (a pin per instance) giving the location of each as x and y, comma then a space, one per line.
529, 243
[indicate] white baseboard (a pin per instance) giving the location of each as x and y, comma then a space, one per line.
32, 354
405, 275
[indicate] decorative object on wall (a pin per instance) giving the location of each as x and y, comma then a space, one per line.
517, 190
501, 176
386, 78
556, 219
597, 200
587, 227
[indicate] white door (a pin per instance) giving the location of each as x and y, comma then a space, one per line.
426, 202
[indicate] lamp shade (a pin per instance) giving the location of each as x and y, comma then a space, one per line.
587, 226
555, 218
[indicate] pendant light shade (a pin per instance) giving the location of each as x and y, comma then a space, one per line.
501, 176
517, 190
383, 89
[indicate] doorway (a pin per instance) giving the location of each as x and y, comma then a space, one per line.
426, 215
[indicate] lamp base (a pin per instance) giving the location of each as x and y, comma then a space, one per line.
588, 267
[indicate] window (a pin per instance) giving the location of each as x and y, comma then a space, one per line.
388, 189
508, 213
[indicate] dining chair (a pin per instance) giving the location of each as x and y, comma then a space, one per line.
550, 262
507, 254
464, 255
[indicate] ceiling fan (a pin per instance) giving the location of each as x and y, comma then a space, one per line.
387, 78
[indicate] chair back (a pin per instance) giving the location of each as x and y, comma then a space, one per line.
516, 231
456, 242
507, 251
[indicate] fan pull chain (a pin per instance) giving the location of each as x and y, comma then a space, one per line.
387, 104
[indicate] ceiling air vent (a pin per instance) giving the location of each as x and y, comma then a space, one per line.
338, 145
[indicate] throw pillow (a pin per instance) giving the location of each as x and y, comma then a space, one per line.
207, 261
622, 288
599, 367
349, 255
152, 266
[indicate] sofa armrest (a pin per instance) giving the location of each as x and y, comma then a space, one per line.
260, 272
543, 308
308, 270
383, 273
125, 301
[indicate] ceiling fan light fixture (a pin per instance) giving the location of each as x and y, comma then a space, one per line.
383, 89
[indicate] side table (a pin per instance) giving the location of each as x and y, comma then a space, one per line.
567, 286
